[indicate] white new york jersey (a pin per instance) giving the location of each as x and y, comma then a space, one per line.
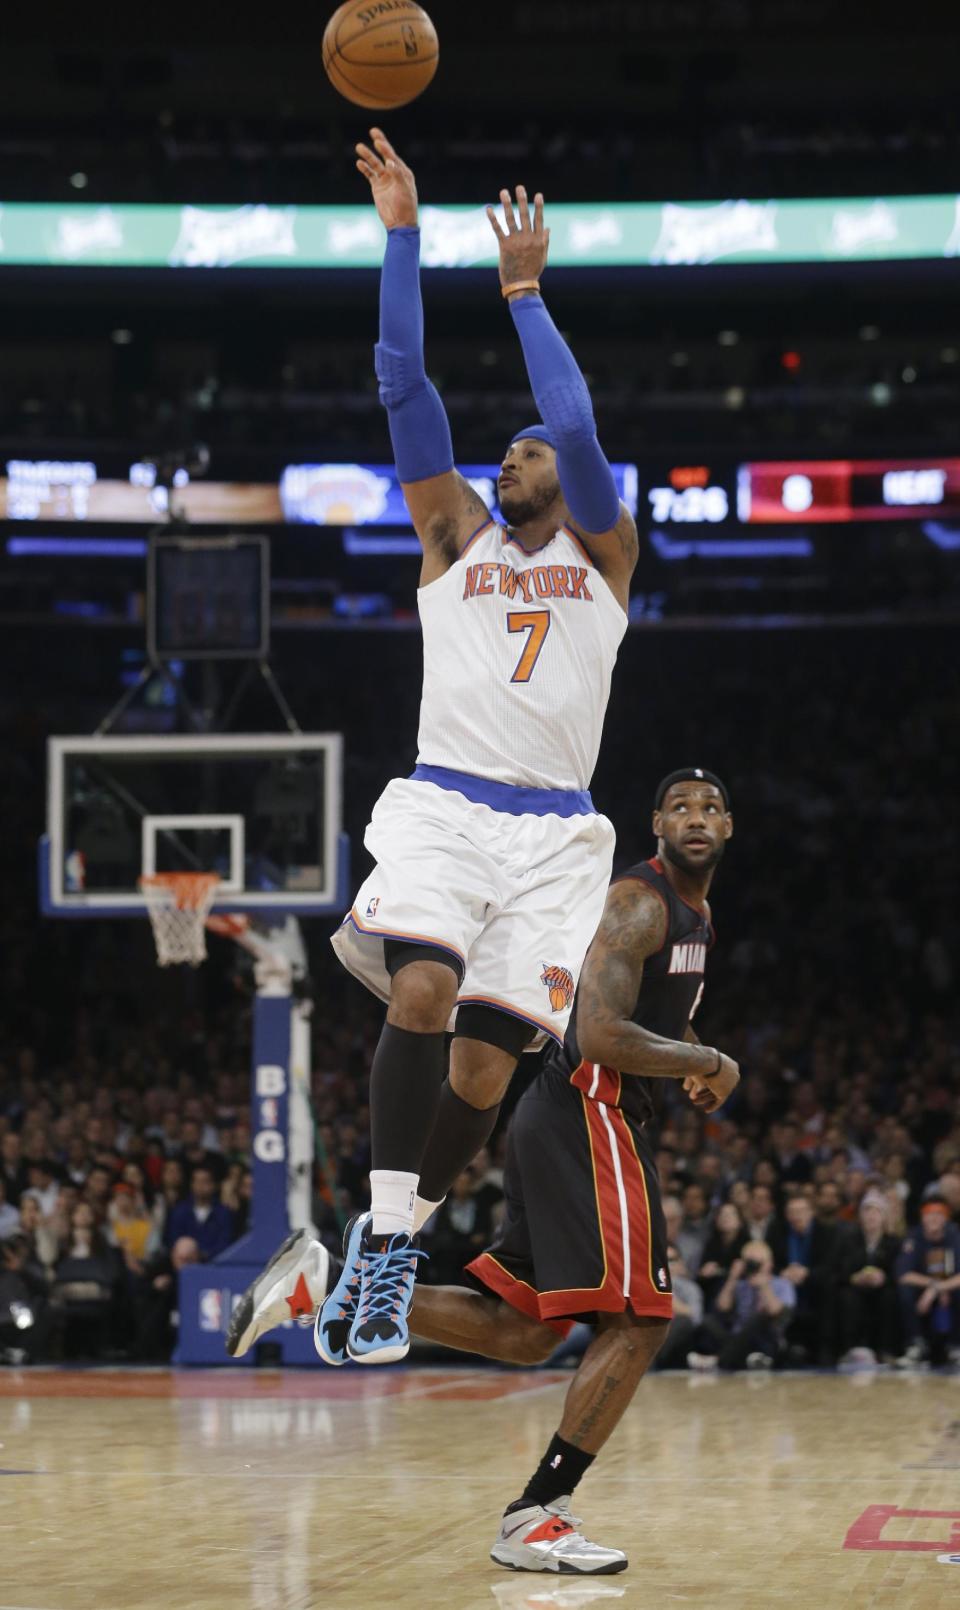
518, 651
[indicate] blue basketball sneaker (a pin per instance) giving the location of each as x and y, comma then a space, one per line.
379, 1333
334, 1318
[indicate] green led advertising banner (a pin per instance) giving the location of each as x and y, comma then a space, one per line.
591, 235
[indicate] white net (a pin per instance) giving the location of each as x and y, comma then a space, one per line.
178, 903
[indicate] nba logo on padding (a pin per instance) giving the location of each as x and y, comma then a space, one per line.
211, 1309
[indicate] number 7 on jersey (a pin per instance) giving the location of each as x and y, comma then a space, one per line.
537, 623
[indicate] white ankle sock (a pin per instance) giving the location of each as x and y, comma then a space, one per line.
392, 1198
422, 1210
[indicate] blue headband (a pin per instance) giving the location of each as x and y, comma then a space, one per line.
538, 432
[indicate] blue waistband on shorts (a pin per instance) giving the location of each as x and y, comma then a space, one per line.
505, 797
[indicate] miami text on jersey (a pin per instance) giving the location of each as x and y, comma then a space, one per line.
541, 581
691, 958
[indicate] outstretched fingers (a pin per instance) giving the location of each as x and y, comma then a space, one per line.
526, 224
384, 149
368, 162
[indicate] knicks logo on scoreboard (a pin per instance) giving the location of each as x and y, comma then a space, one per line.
690, 958
559, 984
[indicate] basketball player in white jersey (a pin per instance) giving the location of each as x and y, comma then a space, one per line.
492, 864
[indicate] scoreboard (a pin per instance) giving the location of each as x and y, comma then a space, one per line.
838, 491
665, 495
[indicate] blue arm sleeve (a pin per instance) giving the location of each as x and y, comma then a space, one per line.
561, 395
419, 429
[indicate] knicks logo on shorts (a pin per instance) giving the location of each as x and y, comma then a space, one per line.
559, 983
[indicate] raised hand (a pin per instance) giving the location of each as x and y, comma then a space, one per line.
525, 243
391, 182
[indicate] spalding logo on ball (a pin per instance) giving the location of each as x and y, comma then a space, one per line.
380, 54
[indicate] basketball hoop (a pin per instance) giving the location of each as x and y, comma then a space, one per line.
178, 903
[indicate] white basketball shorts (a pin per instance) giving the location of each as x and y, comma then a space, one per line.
510, 881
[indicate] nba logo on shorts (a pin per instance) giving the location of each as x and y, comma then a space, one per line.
211, 1309
662, 1278
372, 906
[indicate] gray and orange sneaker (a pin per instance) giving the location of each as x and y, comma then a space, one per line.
548, 1538
291, 1286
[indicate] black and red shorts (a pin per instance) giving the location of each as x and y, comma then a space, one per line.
583, 1231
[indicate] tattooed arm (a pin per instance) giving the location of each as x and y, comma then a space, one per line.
633, 928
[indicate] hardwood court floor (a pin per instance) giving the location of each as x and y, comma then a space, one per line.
341, 1490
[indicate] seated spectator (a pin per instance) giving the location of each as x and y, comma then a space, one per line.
86, 1281
44, 1185
827, 1202
44, 1247
130, 1227
868, 1306
173, 1184
752, 1310
195, 1154
794, 1165
26, 1318
687, 1314
803, 1254
724, 1243
460, 1228
156, 1299
852, 1188
928, 1272
153, 1160
760, 1213
711, 1177
202, 1217
9, 1215
667, 1169
687, 1244
696, 1226
96, 1190
236, 1193
12, 1166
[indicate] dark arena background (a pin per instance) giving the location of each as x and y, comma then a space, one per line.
755, 216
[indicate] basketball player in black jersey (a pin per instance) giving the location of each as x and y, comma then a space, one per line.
584, 1234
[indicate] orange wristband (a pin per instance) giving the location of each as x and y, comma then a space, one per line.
521, 285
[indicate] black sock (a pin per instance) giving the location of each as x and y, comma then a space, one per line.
557, 1474
405, 1082
458, 1134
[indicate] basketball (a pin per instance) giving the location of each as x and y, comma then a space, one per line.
380, 53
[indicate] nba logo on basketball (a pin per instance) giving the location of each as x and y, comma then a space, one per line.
559, 982
211, 1309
